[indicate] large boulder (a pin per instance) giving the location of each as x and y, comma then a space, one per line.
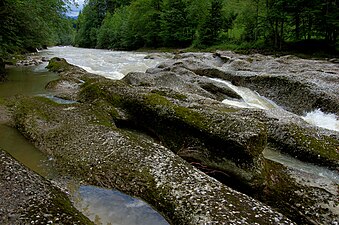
88, 145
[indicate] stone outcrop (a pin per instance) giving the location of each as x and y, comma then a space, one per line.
149, 133
31, 60
98, 141
296, 84
88, 146
27, 198
134, 135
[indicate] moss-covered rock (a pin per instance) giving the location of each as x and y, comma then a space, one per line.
132, 129
305, 143
220, 136
58, 65
133, 163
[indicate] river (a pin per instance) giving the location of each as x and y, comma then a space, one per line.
110, 64
110, 205
103, 206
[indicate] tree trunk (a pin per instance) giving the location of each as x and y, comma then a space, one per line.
297, 26
2, 70
281, 34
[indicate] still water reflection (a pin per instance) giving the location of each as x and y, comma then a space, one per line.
26, 81
103, 206
22, 150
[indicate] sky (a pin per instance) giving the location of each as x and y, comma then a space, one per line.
74, 11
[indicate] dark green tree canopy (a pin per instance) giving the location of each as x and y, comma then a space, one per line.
132, 24
29, 24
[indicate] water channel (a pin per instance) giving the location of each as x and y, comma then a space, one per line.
106, 206
103, 206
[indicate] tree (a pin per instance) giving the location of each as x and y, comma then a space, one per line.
175, 26
27, 25
213, 23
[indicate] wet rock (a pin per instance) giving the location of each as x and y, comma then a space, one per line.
334, 60
26, 198
5, 115
65, 88
87, 147
124, 134
159, 56
294, 136
31, 60
299, 85
98, 143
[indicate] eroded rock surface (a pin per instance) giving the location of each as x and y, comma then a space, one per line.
133, 135
27, 198
299, 85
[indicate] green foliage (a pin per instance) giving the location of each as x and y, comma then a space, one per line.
127, 24
211, 26
175, 26
27, 25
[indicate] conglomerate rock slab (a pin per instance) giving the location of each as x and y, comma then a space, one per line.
169, 104
100, 140
298, 85
27, 198
102, 154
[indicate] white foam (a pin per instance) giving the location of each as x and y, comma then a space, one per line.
324, 120
110, 64
250, 98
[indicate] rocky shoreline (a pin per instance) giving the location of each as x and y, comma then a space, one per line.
162, 134
27, 198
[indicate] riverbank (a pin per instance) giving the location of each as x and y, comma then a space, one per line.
133, 135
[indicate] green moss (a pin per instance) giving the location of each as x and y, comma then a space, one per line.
103, 113
2, 101
34, 106
91, 91
186, 115
191, 117
321, 149
94, 90
62, 204
281, 192
154, 99
58, 65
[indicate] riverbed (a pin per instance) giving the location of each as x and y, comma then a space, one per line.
103, 206
115, 65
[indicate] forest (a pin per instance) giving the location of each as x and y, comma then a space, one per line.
200, 24
27, 25
133, 24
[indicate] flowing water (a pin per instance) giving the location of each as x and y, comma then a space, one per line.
311, 174
324, 120
305, 173
110, 64
103, 206
251, 99
110, 206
